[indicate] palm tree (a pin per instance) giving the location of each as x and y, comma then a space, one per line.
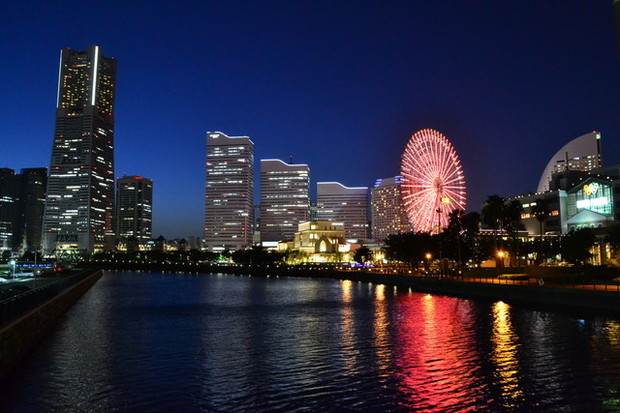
613, 238
493, 212
499, 214
540, 211
512, 224
471, 225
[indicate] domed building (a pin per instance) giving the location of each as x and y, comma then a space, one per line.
580, 154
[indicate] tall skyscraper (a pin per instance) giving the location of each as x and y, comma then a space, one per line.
134, 208
9, 200
229, 194
388, 214
284, 199
22, 197
32, 186
79, 206
339, 203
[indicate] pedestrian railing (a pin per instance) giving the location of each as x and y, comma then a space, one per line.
14, 307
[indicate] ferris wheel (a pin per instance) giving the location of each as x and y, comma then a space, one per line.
433, 181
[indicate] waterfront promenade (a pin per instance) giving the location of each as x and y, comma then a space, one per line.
28, 317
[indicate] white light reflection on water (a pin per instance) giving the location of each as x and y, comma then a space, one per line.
506, 346
381, 333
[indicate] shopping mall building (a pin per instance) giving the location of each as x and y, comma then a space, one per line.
575, 191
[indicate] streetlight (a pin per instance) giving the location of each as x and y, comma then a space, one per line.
428, 257
500, 259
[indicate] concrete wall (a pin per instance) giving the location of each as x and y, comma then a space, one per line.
21, 336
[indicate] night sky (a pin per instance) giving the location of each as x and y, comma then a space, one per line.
339, 85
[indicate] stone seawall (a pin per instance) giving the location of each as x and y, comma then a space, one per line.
19, 337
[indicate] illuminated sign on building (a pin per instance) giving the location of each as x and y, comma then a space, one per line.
594, 202
591, 188
595, 196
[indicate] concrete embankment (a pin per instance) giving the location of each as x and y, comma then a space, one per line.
21, 335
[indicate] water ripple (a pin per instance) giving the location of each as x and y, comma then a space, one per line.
155, 342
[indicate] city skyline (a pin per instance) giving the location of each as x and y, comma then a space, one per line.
507, 85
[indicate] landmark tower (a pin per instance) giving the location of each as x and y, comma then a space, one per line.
79, 204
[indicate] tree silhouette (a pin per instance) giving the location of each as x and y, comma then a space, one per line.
409, 247
541, 213
362, 254
576, 245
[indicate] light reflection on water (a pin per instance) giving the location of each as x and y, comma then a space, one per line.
504, 357
179, 342
436, 359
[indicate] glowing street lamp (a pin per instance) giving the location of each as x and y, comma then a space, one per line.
427, 263
500, 258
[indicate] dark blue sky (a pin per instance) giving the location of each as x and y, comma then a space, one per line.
340, 85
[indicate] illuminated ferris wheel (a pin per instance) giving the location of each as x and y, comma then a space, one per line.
433, 181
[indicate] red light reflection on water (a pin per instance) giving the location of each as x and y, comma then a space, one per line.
435, 354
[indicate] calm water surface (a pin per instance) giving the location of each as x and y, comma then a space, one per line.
171, 342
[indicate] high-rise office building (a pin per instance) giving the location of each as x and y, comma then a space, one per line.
9, 200
22, 197
284, 199
229, 194
134, 208
32, 186
388, 214
79, 205
339, 203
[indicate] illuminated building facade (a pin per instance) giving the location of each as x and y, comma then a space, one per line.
576, 199
336, 202
388, 214
32, 187
553, 202
22, 198
590, 204
8, 208
284, 199
580, 154
229, 195
79, 206
134, 208
320, 237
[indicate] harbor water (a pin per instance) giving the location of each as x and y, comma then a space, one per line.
180, 342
